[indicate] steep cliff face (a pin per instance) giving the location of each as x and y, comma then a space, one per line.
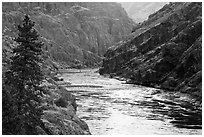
164, 51
74, 33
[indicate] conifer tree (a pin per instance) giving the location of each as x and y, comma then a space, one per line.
22, 80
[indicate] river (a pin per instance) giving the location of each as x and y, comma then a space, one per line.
111, 107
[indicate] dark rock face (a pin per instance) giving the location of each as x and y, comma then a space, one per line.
164, 51
74, 33
61, 102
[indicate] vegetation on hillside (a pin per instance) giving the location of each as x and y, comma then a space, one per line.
21, 88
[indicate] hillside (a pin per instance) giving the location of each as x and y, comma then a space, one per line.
74, 33
58, 106
163, 52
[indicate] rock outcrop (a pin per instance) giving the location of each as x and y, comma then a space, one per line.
164, 52
60, 111
75, 33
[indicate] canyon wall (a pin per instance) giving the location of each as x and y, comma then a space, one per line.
164, 52
73, 32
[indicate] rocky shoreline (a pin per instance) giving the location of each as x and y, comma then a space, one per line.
192, 99
60, 110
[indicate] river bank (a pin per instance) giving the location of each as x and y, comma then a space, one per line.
195, 102
110, 106
60, 110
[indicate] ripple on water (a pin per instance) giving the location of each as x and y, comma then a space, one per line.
111, 107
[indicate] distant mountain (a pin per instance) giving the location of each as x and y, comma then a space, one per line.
139, 11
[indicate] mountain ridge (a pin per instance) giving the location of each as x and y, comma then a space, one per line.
73, 32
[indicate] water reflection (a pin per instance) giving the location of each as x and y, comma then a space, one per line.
111, 107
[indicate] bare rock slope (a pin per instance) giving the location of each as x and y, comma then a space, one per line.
165, 51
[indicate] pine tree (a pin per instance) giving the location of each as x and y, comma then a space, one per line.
22, 90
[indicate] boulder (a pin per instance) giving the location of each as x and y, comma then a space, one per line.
61, 102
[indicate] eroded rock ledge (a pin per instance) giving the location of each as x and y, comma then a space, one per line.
60, 110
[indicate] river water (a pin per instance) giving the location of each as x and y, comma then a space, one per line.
111, 107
